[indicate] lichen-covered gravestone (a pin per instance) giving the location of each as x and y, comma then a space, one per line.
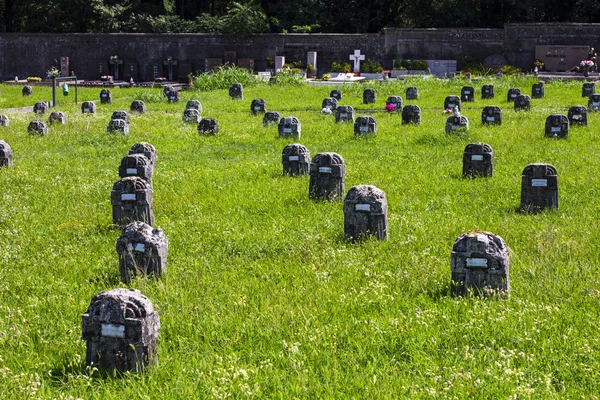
467, 93
412, 93
588, 89
327, 172
491, 115
118, 126
329, 103
191, 116
365, 213
137, 107
136, 165
522, 103
121, 328
236, 91
369, 96
195, 104
6, 154
289, 127
173, 96
41, 107
336, 94
478, 160
365, 125
457, 123
4, 120
396, 102
271, 118
258, 106
452, 102
27, 90
58, 117
512, 94
105, 96
142, 251
557, 126
37, 128
208, 127
295, 159
131, 200
88, 107
120, 114
146, 149
578, 116
411, 114
487, 92
344, 114
539, 188
537, 90
594, 102
479, 262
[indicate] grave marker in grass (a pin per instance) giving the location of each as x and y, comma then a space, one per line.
478, 160
295, 159
577, 115
142, 251
411, 114
131, 199
539, 188
491, 115
271, 117
522, 103
289, 127
557, 126
487, 92
37, 128
365, 213
6, 154
344, 114
467, 94
365, 125
327, 172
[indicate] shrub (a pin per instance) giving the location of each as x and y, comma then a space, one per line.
371, 67
398, 61
340, 67
223, 78
510, 70
417, 65
34, 79
289, 77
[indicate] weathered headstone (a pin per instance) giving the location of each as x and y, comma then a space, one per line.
522, 103
537, 90
557, 126
369, 96
137, 107
594, 102
271, 117
118, 126
37, 128
258, 106
142, 251
58, 117
4, 120
279, 63
479, 262
236, 91
588, 88
88, 107
121, 328
208, 127
41, 107
411, 114
6, 154
173, 96
467, 93
578, 116
412, 93
195, 104
365, 125
295, 159
329, 103
539, 188
136, 165
344, 114
491, 115
456, 123
105, 96
365, 213
120, 114
327, 172
146, 149
289, 127
512, 94
396, 102
487, 92
191, 116
478, 160
131, 199
27, 90
452, 102
336, 94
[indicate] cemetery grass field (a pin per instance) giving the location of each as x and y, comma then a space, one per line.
263, 297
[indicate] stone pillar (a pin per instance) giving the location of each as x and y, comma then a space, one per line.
279, 62
311, 58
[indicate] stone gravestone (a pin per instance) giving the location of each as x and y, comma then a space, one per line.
557, 126
131, 200
6, 154
295, 159
467, 93
479, 262
105, 96
487, 92
396, 102
365, 125
173, 96
336, 94
512, 94
491, 115
412, 93
118, 126
246, 63
577, 115
137, 107
88, 107
136, 165
146, 149
522, 103
271, 117
344, 114
40, 107
191, 116
120, 327
120, 114
27, 90
37, 128
539, 188
411, 114
452, 102
478, 160
4, 120
311, 58
327, 171
587, 89
279, 63
57, 116
537, 90
208, 127
594, 102
142, 251
329, 103
289, 127
195, 104
365, 213
369, 96
236, 91
258, 106
457, 123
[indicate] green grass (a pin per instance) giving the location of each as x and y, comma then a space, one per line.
263, 297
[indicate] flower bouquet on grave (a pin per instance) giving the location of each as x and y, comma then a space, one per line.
160, 79
106, 78
390, 108
539, 64
52, 73
585, 66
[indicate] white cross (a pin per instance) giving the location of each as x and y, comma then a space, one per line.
357, 57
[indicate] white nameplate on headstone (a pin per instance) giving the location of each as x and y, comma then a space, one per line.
555, 129
476, 157
112, 330
577, 117
131, 171
325, 170
140, 247
513, 95
256, 108
363, 207
490, 118
467, 92
294, 158
451, 105
477, 262
364, 128
287, 130
127, 196
539, 182
596, 103
343, 115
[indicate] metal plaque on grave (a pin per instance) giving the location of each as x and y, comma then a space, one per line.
539, 187
487, 92
491, 115
578, 115
557, 126
478, 160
